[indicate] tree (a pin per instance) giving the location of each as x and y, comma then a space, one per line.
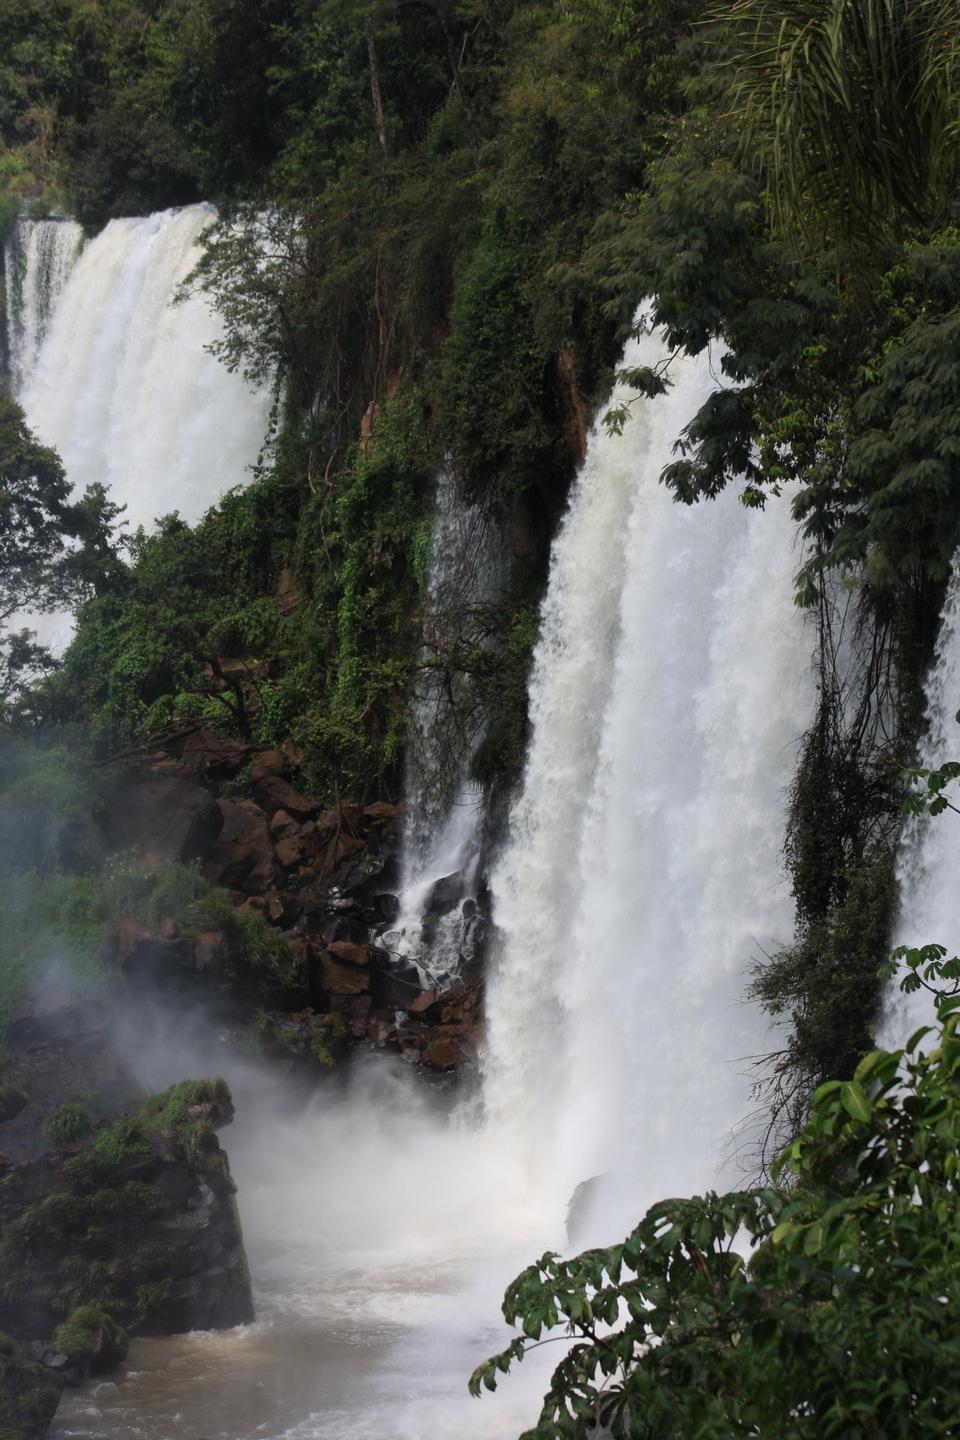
54, 551
853, 110
841, 1322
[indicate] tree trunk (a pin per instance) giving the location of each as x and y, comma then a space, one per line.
375, 83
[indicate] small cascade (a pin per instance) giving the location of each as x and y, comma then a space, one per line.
670, 688
929, 861
438, 925
38, 258
115, 373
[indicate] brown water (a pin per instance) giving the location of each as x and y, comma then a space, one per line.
381, 1239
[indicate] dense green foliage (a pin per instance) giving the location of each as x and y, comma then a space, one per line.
822, 1308
54, 550
437, 222
415, 186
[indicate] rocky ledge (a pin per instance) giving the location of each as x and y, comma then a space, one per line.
324, 880
126, 1225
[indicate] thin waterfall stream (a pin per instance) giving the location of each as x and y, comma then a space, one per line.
641, 877
437, 923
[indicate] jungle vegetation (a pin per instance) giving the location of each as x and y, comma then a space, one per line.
449, 211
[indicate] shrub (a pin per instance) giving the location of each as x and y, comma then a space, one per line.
68, 1123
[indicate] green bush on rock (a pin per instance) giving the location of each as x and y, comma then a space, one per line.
68, 1123
90, 1338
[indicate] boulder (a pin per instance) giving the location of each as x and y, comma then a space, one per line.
150, 957
443, 1053
445, 894
143, 1221
348, 953
274, 793
395, 982
12, 1101
330, 976
423, 1004
169, 816
268, 764
204, 751
344, 927
29, 1392
243, 857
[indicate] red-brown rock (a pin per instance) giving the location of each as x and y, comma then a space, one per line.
444, 1053
269, 763
336, 977
348, 953
242, 857
423, 1003
275, 793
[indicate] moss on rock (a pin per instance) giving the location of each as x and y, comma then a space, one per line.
91, 1338
29, 1394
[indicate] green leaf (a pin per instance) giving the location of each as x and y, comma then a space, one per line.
855, 1101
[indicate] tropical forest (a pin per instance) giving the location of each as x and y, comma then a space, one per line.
479, 719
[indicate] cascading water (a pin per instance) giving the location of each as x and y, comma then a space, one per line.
671, 685
38, 258
437, 923
929, 861
118, 378
642, 874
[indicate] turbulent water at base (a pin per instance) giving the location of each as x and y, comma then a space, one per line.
929, 862
641, 877
118, 378
443, 827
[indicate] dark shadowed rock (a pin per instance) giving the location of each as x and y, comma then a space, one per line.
395, 982
204, 752
141, 1216
386, 907
267, 764
445, 895
274, 793
169, 816
29, 1392
242, 858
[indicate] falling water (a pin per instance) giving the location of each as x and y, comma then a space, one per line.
929, 861
443, 827
643, 875
121, 382
38, 258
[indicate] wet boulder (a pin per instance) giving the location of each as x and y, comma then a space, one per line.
445, 894
395, 981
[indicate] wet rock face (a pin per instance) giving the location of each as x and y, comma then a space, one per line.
29, 1392
139, 1221
326, 880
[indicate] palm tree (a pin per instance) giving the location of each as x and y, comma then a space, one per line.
852, 108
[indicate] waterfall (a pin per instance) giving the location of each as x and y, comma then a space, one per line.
929, 859
443, 829
118, 378
38, 258
641, 874
671, 684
